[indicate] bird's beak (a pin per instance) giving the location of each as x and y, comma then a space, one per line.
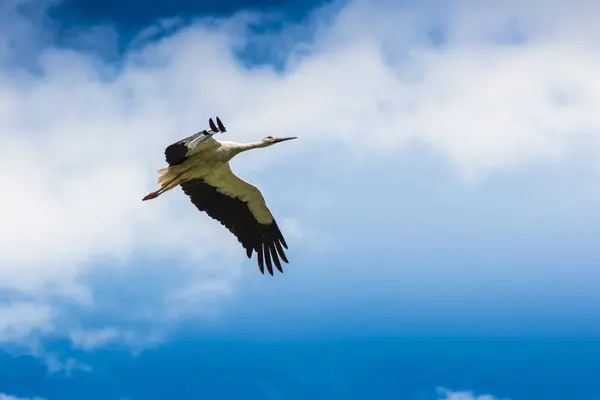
283, 139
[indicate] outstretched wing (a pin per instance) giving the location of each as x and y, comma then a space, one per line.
241, 208
178, 152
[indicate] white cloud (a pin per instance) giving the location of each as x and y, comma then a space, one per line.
66, 366
82, 140
446, 394
21, 320
92, 339
9, 397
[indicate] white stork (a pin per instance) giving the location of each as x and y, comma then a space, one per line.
200, 165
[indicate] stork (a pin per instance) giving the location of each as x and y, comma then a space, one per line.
200, 165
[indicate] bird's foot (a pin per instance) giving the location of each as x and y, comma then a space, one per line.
150, 196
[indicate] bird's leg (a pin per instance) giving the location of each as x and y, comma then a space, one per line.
169, 185
151, 196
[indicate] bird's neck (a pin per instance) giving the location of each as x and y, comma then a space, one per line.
241, 147
232, 149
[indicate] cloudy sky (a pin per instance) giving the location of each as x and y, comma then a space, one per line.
441, 204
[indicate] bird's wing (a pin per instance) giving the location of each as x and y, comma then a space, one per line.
178, 152
241, 208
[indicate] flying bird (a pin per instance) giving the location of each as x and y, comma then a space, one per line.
200, 165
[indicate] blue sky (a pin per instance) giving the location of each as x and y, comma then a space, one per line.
441, 203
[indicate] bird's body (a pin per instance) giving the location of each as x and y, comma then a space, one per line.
203, 161
200, 165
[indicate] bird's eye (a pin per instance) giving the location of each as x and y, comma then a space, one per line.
270, 137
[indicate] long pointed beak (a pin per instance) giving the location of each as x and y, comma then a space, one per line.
283, 139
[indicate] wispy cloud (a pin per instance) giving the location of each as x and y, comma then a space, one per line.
499, 88
20, 320
9, 397
446, 394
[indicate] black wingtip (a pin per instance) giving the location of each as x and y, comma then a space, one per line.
259, 259
282, 240
221, 126
275, 257
268, 260
281, 252
280, 235
212, 125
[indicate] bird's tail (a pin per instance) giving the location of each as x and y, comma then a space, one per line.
163, 176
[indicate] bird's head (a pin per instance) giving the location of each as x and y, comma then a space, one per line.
270, 140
